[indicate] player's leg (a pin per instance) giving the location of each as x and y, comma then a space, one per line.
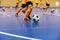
22, 6
25, 11
28, 11
16, 14
17, 4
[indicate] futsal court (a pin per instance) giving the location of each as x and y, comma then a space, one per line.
14, 28
48, 27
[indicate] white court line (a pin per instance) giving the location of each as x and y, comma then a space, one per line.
13, 35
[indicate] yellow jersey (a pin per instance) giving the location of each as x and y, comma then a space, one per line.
30, 0
36, 1
47, 1
40, 2
17, 1
24, 1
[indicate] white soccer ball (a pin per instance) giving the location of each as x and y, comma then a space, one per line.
35, 18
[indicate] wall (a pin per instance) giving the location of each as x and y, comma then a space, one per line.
13, 3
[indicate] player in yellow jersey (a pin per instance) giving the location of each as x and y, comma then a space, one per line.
37, 3
17, 3
47, 4
28, 5
41, 3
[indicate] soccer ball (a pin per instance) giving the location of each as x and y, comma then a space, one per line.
35, 18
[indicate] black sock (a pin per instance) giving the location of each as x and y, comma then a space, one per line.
29, 17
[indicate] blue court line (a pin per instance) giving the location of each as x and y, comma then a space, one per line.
17, 36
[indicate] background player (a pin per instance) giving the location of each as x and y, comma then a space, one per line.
37, 3
47, 4
17, 3
41, 3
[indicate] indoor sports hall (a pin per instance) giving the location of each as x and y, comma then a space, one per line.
43, 25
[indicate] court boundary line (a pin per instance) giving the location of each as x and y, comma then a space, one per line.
18, 36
